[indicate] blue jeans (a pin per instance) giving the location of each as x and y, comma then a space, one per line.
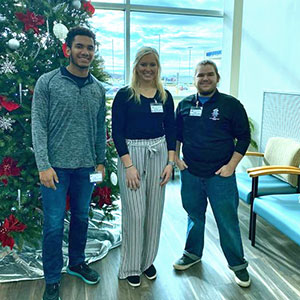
76, 183
223, 197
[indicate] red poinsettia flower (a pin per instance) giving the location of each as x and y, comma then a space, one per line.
6, 240
64, 49
31, 20
102, 195
9, 167
89, 8
5, 181
8, 105
11, 224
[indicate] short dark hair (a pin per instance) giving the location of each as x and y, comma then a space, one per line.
208, 62
79, 31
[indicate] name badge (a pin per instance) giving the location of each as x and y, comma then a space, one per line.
196, 111
95, 177
156, 108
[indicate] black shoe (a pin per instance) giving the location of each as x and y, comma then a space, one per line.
51, 292
185, 262
134, 281
84, 272
242, 278
150, 273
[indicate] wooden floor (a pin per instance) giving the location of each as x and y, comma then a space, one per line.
274, 266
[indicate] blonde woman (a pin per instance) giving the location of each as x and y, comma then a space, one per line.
143, 129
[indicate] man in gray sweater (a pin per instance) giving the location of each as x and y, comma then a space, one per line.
69, 138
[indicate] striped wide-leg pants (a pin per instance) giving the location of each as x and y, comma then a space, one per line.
142, 209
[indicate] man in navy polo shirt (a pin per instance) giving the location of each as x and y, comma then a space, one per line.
214, 132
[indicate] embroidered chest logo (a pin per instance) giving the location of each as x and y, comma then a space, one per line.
215, 115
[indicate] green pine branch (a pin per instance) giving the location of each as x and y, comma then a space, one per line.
37, 54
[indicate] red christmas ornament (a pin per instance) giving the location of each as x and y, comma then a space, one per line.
102, 195
11, 224
31, 20
9, 167
8, 105
89, 8
68, 202
64, 49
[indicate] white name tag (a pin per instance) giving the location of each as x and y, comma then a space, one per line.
95, 177
196, 111
156, 108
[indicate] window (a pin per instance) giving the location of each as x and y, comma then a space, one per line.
109, 29
182, 36
182, 42
195, 4
109, 1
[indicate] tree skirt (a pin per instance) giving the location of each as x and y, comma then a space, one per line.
27, 264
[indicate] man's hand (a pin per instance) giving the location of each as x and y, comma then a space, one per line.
225, 171
228, 169
180, 164
48, 177
101, 169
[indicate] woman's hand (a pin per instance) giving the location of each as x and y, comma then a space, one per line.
166, 174
132, 178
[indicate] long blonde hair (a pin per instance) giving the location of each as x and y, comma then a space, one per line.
135, 83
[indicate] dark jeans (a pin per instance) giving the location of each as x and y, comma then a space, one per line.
223, 197
76, 183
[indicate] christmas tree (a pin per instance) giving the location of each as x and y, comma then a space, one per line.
32, 36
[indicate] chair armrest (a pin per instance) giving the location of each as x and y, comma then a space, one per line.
270, 171
261, 168
252, 153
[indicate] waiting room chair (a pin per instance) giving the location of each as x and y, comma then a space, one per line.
280, 210
280, 152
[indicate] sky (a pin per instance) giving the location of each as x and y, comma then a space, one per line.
181, 40
197, 4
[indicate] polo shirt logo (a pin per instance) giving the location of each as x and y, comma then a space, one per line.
215, 114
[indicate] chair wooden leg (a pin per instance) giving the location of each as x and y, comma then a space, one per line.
253, 229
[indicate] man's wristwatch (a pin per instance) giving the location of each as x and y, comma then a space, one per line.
172, 163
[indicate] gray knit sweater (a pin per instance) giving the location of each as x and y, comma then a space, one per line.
68, 122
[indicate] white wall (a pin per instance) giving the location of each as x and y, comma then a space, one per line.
270, 52
269, 58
